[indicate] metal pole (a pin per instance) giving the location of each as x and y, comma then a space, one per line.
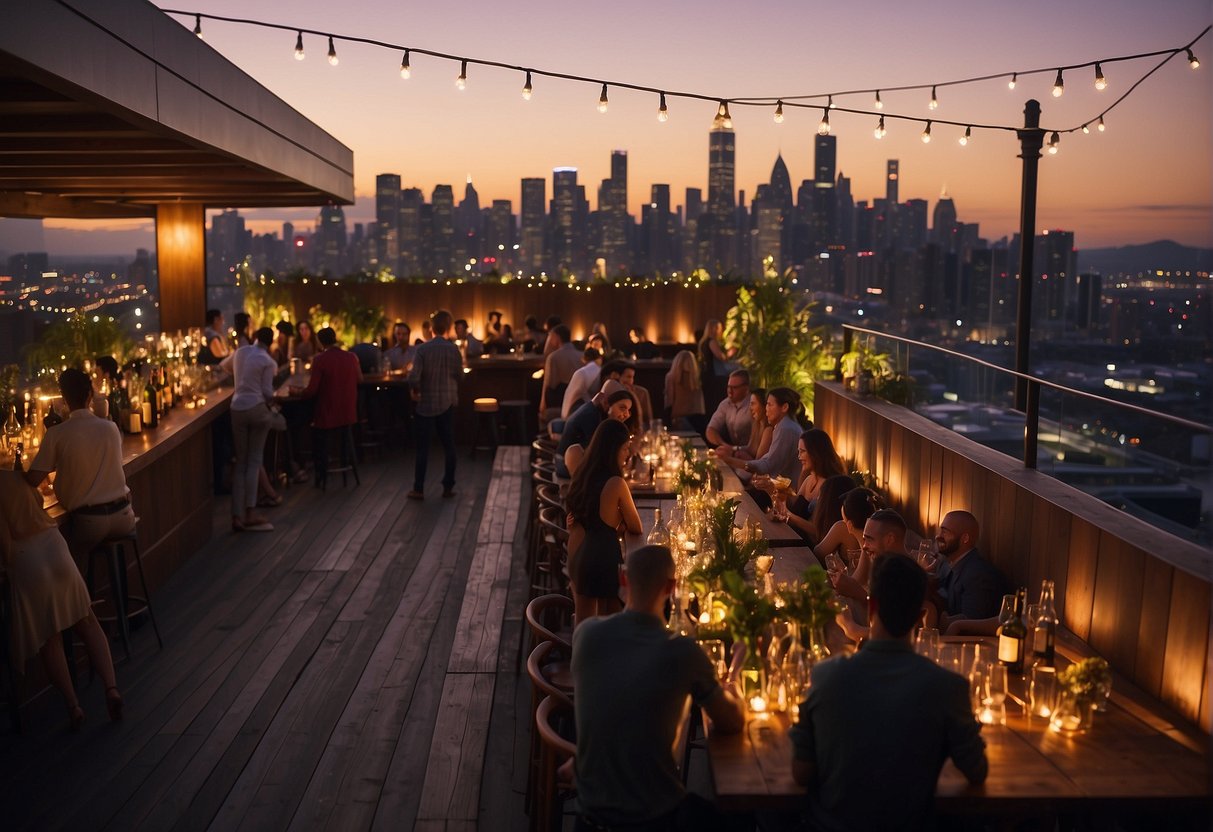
1031, 139
1031, 425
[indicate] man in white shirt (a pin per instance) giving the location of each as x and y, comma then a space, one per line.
85, 452
473, 347
731, 423
582, 382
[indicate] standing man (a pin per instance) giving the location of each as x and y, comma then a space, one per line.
730, 423
877, 726
401, 353
434, 382
334, 380
85, 451
633, 681
563, 359
473, 346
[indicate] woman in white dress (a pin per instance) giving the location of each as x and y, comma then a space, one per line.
48, 596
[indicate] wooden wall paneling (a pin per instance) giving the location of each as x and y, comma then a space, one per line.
1116, 613
1206, 712
998, 526
181, 264
1080, 577
1187, 651
908, 461
1023, 514
1057, 558
899, 471
1157, 579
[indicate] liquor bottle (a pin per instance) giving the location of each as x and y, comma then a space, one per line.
152, 396
660, 535
1012, 634
1044, 628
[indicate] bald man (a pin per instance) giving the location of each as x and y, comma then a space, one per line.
969, 586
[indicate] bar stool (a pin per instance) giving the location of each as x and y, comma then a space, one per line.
486, 411
113, 551
514, 413
347, 455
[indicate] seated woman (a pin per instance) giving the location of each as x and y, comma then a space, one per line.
684, 393
814, 525
612, 402
49, 596
818, 462
857, 506
306, 345
600, 507
784, 412
760, 430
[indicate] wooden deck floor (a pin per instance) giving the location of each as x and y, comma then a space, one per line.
300, 681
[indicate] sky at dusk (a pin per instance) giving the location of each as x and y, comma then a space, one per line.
1148, 177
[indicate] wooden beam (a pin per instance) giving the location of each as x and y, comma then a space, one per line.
35, 205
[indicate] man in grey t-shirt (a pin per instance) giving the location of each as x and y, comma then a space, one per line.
633, 680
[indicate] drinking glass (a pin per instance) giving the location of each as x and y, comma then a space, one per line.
977, 689
996, 684
927, 643
833, 566
927, 555
1042, 691
853, 556
975, 654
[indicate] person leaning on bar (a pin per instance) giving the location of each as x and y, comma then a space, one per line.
876, 727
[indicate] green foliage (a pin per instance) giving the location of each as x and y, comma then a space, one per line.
748, 612
267, 302
10, 375
78, 339
811, 602
1087, 677
728, 555
357, 324
694, 473
774, 335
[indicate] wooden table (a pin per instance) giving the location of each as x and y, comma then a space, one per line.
779, 536
1134, 755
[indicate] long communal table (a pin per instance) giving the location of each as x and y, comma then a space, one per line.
1135, 756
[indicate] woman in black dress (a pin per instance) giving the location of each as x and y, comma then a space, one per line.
600, 507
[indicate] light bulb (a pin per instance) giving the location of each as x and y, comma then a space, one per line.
830, 102
1053, 142
462, 81
934, 100
722, 112
1192, 61
964, 140
1014, 78
926, 134
1101, 83
198, 25
1100, 127
823, 129
879, 104
332, 52
779, 112
1059, 85
527, 88
879, 131
405, 69
663, 114
602, 100
299, 47
1086, 128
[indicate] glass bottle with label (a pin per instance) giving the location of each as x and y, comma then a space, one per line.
1012, 634
1044, 628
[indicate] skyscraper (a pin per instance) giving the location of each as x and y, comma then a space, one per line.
330, 241
565, 236
722, 153
825, 154
890, 186
412, 201
534, 195
943, 223
442, 238
387, 218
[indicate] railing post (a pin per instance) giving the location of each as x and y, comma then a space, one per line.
1031, 427
1031, 139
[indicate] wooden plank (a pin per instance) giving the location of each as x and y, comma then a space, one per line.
1116, 616
1157, 579
1080, 577
1185, 663
478, 633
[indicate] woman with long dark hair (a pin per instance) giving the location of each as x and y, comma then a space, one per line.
600, 506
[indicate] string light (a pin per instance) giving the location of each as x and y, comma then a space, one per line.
663, 114
1086, 129
934, 103
926, 134
964, 140
332, 52
526, 88
602, 100
1054, 140
405, 69
198, 25
1059, 85
823, 129
878, 104
1014, 78
461, 81
830, 102
1101, 83
879, 131
722, 113
299, 47
1100, 127
779, 112
1192, 62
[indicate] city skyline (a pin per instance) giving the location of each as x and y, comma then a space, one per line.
1146, 178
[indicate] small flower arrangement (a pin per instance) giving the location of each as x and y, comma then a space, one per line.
1087, 678
748, 613
694, 474
811, 601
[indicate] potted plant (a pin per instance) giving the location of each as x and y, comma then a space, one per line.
1082, 686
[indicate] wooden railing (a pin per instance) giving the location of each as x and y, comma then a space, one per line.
1136, 594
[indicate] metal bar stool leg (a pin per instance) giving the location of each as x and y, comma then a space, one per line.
118, 592
147, 595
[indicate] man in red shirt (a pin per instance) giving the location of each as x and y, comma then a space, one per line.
334, 386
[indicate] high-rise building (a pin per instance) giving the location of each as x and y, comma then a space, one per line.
943, 224
387, 218
722, 154
330, 241
613, 216
532, 221
411, 202
501, 236
825, 155
468, 231
659, 231
566, 239
442, 233
890, 186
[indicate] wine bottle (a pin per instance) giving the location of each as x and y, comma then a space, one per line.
152, 395
1012, 634
660, 535
1044, 628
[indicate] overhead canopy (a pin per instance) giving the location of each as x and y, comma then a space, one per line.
109, 108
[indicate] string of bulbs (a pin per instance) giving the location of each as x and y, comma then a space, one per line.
800, 101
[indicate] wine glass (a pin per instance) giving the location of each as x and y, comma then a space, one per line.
928, 557
996, 684
926, 643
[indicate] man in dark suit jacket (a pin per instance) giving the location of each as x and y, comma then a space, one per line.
969, 586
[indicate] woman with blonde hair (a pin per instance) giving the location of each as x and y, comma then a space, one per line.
684, 393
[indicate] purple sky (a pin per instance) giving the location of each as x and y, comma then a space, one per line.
1148, 177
